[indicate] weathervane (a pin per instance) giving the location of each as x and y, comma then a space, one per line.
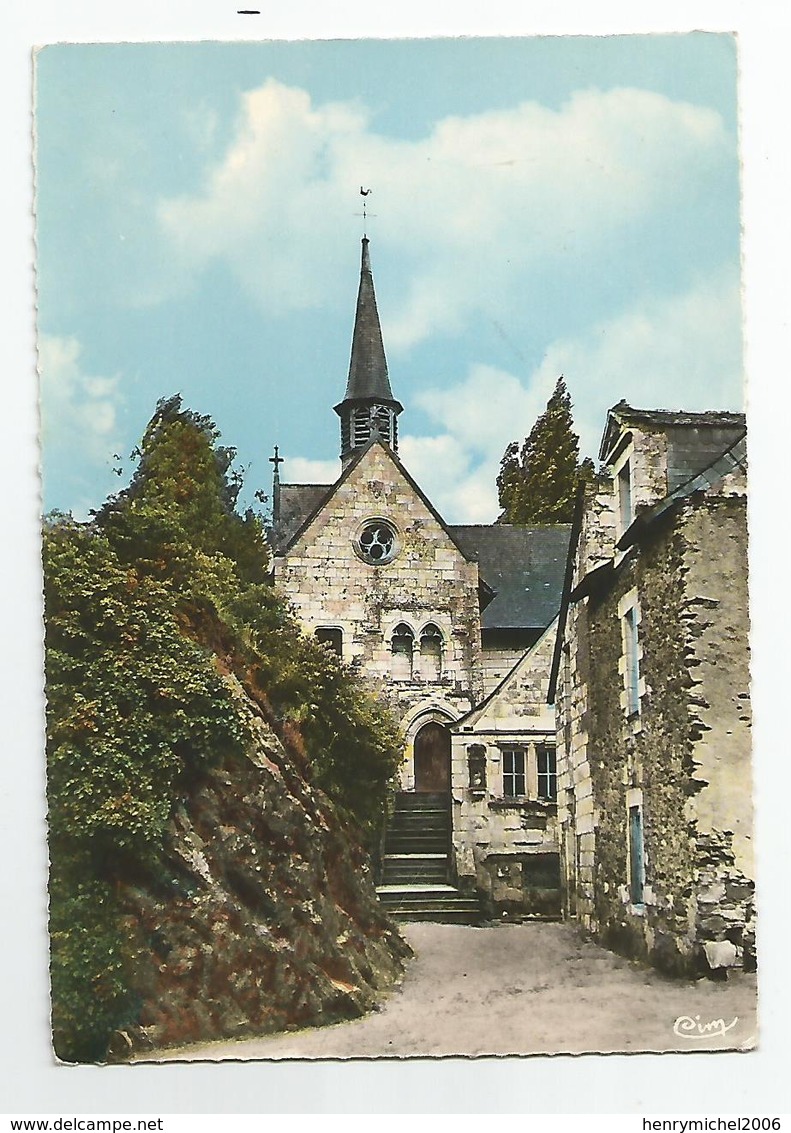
364, 214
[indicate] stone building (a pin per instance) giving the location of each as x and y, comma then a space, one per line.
454, 627
600, 770
651, 684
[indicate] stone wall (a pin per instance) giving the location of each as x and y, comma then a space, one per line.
505, 848
576, 818
682, 762
496, 664
649, 755
716, 613
429, 581
649, 467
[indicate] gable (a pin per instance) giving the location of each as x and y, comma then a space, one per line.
376, 486
521, 699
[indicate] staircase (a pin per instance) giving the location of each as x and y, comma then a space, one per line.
416, 865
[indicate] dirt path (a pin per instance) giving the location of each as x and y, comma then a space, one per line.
517, 989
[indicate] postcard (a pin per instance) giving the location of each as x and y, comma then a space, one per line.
395, 548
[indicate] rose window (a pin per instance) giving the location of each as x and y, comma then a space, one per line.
377, 542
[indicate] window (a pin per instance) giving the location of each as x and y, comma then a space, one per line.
368, 421
402, 645
636, 856
332, 637
513, 773
625, 511
381, 422
361, 426
476, 766
431, 653
547, 773
377, 542
631, 661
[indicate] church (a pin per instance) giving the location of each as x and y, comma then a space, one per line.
454, 627
574, 699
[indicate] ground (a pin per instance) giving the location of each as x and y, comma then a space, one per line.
519, 989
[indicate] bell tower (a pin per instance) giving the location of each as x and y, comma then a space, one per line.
368, 408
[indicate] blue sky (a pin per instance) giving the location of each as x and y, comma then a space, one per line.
542, 206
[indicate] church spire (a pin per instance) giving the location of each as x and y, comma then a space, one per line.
368, 407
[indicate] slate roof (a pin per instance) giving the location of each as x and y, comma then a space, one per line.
525, 567
694, 439
297, 502
368, 378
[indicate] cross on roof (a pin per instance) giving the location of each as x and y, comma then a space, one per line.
277, 459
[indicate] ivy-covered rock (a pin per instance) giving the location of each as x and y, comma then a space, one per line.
214, 775
266, 917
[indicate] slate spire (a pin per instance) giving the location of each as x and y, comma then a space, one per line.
368, 407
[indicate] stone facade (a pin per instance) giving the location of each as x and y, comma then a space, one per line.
507, 843
452, 626
654, 789
503, 835
428, 582
593, 753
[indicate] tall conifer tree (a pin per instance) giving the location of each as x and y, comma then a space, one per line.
538, 483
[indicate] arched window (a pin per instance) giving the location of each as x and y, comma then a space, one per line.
402, 646
332, 637
431, 653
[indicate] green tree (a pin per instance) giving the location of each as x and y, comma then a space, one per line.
538, 483
176, 521
145, 608
182, 500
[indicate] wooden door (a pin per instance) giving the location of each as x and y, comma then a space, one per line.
432, 758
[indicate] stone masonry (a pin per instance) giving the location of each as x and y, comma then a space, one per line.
654, 788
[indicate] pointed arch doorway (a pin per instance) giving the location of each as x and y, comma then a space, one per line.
432, 758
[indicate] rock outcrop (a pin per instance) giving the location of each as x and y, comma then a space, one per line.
264, 916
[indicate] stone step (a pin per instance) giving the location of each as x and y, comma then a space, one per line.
406, 875
417, 833
416, 858
417, 826
440, 903
417, 844
413, 803
415, 822
460, 904
437, 916
407, 811
425, 894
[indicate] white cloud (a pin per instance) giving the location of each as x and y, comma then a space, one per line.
683, 352
557, 184
461, 486
301, 470
78, 410
484, 409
